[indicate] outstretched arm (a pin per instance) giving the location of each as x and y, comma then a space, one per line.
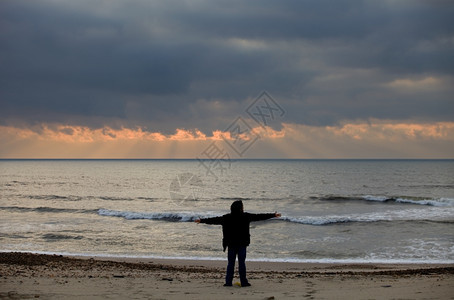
261, 217
211, 221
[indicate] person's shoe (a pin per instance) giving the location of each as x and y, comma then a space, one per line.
227, 284
245, 284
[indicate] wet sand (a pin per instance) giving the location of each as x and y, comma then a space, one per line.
27, 276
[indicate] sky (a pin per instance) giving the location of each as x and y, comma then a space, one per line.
250, 79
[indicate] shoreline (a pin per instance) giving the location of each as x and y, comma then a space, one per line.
27, 275
203, 260
287, 267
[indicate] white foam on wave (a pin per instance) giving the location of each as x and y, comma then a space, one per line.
259, 259
130, 215
440, 202
375, 198
414, 249
435, 214
166, 216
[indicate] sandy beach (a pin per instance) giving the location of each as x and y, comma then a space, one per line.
27, 276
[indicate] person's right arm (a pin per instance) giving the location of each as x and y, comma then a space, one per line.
211, 221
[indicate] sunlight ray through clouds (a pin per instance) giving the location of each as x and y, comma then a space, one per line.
375, 138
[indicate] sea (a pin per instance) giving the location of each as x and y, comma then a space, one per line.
345, 211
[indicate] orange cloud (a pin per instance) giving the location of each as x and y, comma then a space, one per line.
371, 139
187, 135
391, 131
80, 134
417, 84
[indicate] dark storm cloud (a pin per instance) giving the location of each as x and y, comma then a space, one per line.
165, 64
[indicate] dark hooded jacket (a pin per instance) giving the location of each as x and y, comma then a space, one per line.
235, 226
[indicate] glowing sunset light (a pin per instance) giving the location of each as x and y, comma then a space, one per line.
154, 80
293, 141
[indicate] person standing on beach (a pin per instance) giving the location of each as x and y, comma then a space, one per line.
236, 237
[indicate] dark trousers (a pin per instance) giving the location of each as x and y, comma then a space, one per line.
232, 252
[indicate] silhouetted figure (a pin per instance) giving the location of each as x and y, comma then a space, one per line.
236, 237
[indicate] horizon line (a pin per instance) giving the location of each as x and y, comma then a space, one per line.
233, 159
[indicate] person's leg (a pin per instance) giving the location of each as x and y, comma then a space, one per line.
242, 266
231, 256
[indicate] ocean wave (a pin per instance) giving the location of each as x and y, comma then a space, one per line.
438, 215
15, 183
412, 200
70, 198
236, 198
54, 197
438, 202
43, 209
57, 237
164, 216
